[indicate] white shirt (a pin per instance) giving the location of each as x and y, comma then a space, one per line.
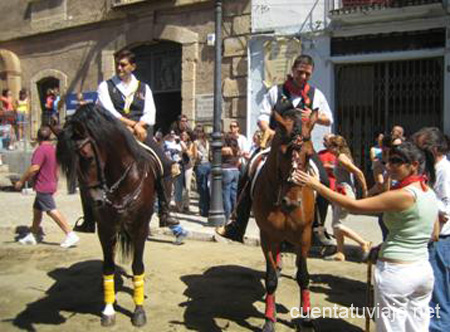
243, 143
104, 98
319, 101
442, 189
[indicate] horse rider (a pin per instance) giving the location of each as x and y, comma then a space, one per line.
131, 102
297, 93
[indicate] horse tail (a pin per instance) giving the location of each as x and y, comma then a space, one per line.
126, 247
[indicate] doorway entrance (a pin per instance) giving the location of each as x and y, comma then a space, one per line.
159, 65
48, 89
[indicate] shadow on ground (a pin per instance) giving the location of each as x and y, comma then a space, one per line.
77, 290
229, 293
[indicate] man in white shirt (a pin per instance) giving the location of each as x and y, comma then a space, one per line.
296, 93
131, 102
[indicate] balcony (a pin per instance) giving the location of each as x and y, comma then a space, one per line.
366, 11
350, 6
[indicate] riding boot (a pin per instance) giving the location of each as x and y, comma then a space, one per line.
88, 220
163, 186
235, 230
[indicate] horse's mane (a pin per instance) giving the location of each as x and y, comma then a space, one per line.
103, 128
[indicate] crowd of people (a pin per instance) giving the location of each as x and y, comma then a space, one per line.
410, 195
14, 118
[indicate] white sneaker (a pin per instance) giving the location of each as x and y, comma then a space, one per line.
70, 240
28, 240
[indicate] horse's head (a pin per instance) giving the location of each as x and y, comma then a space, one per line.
294, 151
80, 154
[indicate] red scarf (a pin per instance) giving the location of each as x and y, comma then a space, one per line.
292, 87
413, 178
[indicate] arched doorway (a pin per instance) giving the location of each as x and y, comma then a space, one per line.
39, 84
159, 65
10, 72
48, 89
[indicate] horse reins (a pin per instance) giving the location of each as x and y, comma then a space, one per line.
102, 184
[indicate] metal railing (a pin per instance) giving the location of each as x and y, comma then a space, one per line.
342, 6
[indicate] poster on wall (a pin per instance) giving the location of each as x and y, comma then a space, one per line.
279, 55
73, 100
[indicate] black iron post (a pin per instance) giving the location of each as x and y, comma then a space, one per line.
216, 212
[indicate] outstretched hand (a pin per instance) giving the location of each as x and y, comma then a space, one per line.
306, 179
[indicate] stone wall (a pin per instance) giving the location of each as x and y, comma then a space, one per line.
237, 27
79, 49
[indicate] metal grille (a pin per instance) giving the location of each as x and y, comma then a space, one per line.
372, 97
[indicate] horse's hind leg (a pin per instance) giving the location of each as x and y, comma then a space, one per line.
139, 318
108, 241
271, 252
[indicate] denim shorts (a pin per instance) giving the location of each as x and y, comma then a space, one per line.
44, 202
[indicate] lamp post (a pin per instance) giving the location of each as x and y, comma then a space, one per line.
216, 212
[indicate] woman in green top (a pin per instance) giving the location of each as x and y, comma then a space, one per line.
403, 276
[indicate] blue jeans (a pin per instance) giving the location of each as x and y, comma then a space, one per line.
440, 262
230, 180
202, 174
178, 183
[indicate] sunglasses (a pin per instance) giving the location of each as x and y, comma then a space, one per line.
396, 160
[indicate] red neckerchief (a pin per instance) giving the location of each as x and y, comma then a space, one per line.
293, 88
413, 178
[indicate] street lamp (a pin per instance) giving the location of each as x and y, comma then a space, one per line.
216, 212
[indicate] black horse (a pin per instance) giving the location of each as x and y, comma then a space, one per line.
119, 175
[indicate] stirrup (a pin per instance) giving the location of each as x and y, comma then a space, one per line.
231, 232
166, 220
83, 226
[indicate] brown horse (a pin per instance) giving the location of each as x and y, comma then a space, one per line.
284, 211
119, 175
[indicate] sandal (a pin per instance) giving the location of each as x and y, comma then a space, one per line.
337, 257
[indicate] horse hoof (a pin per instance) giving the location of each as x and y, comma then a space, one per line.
139, 318
108, 320
269, 326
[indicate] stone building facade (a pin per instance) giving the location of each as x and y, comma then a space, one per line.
71, 44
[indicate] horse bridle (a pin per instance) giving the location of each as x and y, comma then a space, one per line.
102, 185
295, 144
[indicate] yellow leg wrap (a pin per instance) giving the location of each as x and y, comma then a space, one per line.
108, 288
138, 282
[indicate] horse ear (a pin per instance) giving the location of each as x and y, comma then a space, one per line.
286, 123
314, 116
55, 127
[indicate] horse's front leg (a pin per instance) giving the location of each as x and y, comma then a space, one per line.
108, 241
303, 274
272, 254
139, 237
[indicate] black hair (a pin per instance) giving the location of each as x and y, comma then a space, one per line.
5, 92
44, 133
126, 54
303, 59
410, 153
430, 138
